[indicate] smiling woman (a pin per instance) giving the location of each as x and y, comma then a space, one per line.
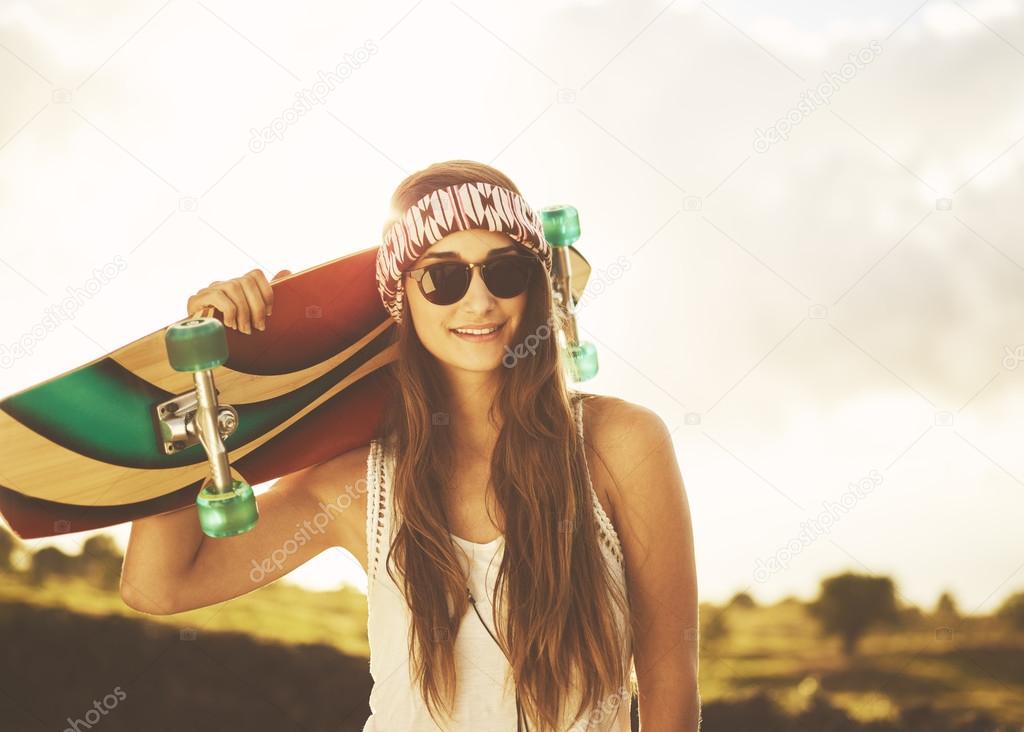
481, 498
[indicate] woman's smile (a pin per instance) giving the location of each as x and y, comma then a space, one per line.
478, 334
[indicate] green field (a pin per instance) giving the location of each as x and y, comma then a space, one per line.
776, 649
979, 666
277, 612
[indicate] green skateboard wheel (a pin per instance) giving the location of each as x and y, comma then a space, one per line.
196, 344
583, 359
561, 225
227, 514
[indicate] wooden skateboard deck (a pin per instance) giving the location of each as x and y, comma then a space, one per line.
84, 450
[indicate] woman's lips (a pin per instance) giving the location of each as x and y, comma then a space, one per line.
474, 338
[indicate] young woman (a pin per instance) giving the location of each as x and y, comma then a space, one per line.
528, 547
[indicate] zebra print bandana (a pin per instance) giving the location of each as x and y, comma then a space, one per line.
459, 207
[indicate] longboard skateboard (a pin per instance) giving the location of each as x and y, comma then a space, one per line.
122, 437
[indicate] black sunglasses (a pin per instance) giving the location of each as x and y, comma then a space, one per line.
445, 283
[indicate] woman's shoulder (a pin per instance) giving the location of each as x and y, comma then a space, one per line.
607, 420
620, 434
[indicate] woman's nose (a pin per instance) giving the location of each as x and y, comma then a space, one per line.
478, 297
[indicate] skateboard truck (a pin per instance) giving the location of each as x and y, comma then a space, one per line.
177, 418
562, 228
198, 344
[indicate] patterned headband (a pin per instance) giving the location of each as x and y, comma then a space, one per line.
459, 207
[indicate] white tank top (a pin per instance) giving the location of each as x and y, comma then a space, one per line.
485, 695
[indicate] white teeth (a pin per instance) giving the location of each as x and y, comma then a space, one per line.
474, 332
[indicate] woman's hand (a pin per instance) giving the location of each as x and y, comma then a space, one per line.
243, 300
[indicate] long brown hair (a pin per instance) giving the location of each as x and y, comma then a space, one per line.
561, 637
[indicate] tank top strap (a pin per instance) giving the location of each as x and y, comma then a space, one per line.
606, 528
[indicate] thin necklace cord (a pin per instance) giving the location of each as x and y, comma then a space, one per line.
520, 721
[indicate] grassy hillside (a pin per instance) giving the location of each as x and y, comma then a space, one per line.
118, 673
778, 649
277, 612
282, 658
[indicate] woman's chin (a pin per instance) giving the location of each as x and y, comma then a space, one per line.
481, 362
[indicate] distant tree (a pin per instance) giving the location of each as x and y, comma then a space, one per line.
51, 562
742, 599
100, 546
1012, 611
101, 561
714, 628
946, 604
946, 611
910, 617
849, 605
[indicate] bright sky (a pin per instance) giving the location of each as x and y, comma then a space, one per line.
808, 309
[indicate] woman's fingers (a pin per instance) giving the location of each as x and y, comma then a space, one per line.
233, 289
265, 289
255, 303
218, 299
245, 301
